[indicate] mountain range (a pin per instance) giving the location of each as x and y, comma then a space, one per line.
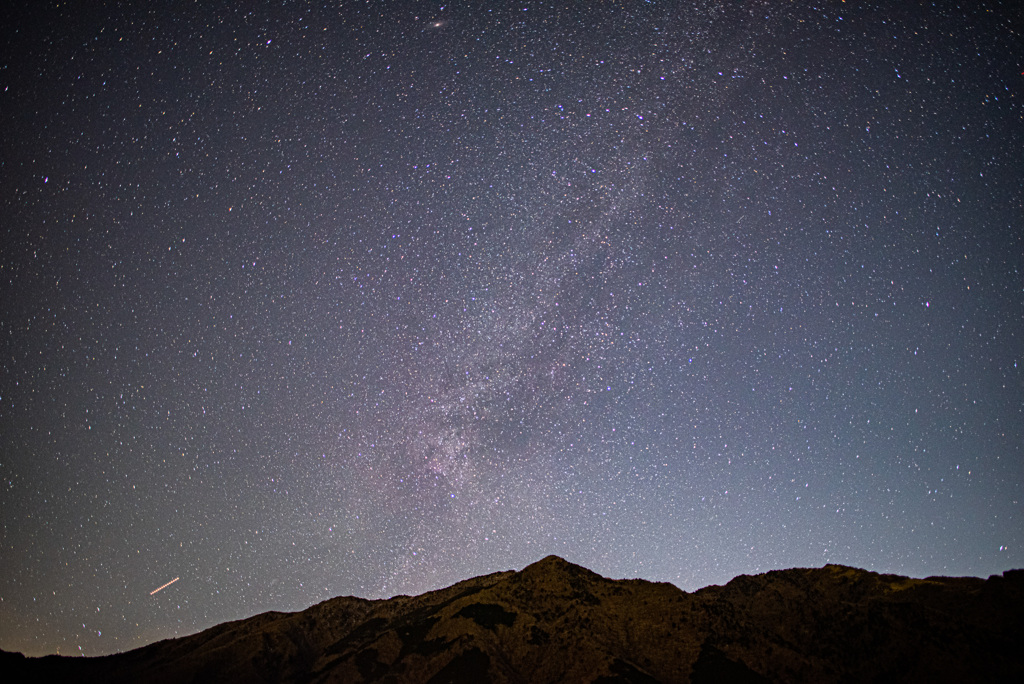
555, 621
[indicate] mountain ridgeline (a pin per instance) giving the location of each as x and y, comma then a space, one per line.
558, 622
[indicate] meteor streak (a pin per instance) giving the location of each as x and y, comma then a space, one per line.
164, 586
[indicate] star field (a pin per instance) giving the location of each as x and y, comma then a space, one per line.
368, 298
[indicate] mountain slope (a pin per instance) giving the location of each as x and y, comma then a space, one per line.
559, 622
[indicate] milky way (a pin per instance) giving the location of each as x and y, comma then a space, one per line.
370, 298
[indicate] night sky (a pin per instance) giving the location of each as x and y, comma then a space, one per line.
365, 298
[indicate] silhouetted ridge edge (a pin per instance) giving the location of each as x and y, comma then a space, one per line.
555, 621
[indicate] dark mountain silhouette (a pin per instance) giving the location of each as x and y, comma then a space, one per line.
558, 622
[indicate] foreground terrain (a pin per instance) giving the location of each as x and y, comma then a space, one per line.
558, 622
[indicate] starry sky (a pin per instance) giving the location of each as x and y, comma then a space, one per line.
365, 298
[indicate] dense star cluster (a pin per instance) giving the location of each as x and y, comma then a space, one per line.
365, 298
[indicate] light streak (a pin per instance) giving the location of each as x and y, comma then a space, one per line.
164, 586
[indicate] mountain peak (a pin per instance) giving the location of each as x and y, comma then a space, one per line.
552, 563
556, 576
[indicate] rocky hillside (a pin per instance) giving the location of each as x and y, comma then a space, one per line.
558, 622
